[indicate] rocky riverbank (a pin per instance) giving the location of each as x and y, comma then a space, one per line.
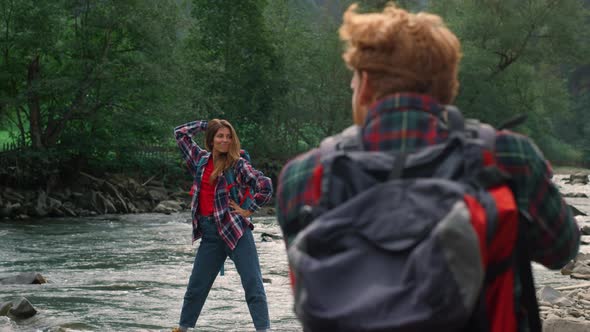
567, 308
90, 196
564, 306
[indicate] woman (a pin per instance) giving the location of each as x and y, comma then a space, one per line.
223, 225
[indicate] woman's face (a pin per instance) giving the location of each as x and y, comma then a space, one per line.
222, 140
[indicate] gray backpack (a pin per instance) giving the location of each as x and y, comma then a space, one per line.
408, 242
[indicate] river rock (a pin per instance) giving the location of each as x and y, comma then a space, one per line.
10, 209
268, 237
157, 194
13, 196
53, 203
168, 207
54, 206
143, 206
4, 308
581, 268
550, 295
575, 195
577, 178
554, 324
87, 200
576, 211
24, 278
22, 308
568, 268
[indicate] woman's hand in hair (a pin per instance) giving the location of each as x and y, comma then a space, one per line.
238, 209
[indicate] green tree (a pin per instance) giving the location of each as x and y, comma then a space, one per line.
317, 102
87, 72
514, 52
236, 72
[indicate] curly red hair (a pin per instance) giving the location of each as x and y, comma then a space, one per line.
403, 52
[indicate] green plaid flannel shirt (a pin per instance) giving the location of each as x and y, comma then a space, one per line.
407, 122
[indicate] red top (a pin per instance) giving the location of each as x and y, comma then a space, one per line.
207, 192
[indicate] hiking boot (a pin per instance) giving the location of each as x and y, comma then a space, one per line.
178, 329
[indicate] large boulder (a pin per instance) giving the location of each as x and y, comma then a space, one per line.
22, 309
24, 278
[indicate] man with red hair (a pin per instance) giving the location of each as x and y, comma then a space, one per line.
405, 72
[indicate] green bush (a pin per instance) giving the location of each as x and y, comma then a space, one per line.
559, 152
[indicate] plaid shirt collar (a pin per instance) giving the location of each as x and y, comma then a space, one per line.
403, 122
401, 102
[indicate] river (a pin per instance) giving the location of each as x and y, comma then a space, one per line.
129, 272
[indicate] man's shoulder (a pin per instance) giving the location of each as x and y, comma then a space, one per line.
300, 168
516, 146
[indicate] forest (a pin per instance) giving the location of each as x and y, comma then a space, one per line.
98, 85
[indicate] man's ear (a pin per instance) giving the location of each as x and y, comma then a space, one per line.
366, 91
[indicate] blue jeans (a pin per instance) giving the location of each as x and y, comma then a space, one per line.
210, 256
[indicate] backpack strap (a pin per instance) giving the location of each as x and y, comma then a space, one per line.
490, 176
523, 261
348, 140
521, 255
455, 119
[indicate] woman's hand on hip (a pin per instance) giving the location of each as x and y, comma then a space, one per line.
238, 209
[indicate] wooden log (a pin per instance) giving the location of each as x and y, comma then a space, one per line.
585, 285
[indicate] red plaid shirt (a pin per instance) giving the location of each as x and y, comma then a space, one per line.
230, 225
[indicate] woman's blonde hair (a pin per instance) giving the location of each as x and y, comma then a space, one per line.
224, 160
403, 52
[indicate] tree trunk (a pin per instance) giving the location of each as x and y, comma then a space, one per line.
34, 73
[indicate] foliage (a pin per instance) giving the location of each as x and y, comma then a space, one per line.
97, 82
236, 72
317, 102
515, 53
88, 74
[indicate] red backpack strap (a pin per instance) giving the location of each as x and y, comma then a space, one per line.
519, 256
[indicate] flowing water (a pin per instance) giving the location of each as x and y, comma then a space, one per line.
129, 273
